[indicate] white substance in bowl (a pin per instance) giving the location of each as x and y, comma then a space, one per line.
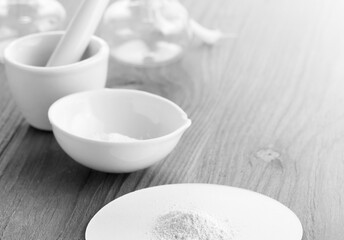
113, 137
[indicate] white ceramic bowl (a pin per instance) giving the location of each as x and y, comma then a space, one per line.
87, 124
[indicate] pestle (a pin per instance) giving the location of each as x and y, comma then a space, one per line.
74, 42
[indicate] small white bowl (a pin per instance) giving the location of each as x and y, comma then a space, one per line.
87, 124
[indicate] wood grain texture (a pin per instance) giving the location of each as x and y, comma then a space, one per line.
267, 110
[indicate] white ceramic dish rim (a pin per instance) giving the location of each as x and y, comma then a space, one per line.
103, 50
182, 128
200, 185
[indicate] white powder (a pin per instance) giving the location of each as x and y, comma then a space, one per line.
113, 137
179, 225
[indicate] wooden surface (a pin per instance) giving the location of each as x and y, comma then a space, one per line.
267, 110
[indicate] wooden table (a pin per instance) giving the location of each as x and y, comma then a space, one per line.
267, 110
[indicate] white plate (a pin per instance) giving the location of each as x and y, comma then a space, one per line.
253, 216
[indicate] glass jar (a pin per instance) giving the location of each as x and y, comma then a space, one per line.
146, 32
22, 17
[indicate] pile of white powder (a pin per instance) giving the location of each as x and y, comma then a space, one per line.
180, 225
112, 137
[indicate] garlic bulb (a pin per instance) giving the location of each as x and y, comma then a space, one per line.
151, 32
